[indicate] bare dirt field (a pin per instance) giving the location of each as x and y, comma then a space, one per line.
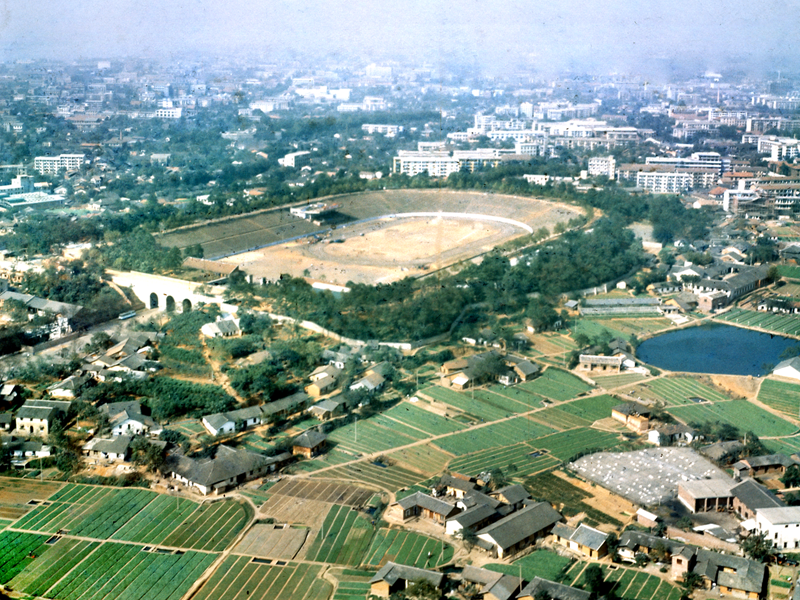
381, 250
16, 493
288, 509
338, 493
272, 541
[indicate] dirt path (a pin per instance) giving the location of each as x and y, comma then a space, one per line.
220, 378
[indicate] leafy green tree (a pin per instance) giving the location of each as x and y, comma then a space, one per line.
758, 547
593, 576
791, 478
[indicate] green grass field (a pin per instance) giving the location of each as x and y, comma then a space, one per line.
740, 413
242, 578
407, 548
782, 396
344, 537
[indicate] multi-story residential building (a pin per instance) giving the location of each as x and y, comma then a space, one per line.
436, 164
698, 160
603, 166
169, 113
389, 130
54, 164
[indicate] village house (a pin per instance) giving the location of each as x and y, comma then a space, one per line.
472, 519
326, 409
24, 450
556, 591
323, 383
750, 497
370, 383
116, 449
722, 452
221, 328
69, 387
731, 575
393, 578
36, 417
456, 485
789, 368
780, 525
592, 363
519, 529
6, 421
229, 468
128, 418
758, 466
583, 539
633, 542
234, 420
514, 496
705, 495
633, 415
309, 443
493, 585
671, 434
422, 506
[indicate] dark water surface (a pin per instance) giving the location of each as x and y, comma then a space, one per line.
715, 348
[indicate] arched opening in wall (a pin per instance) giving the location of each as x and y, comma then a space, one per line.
153, 300
186, 305
170, 304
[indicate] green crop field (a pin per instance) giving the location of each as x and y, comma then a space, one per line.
547, 485
740, 413
506, 401
789, 271
556, 385
491, 436
390, 477
425, 458
464, 401
518, 395
778, 323
414, 416
127, 572
60, 558
541, 563
782, 396
344, 537
610, 382
518, 460
592, 409
566, 444
638, 585
787, 446
353, 584
17, 551
560, 419
367, 436
407, 548
138, 515
677, 391
245, 578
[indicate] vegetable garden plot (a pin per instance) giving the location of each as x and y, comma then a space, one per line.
493, 435
592, 408
541, 563
740, 413
157, 520
425, 458
559, 419
430, 423
238, 578
41, 575
464, 401
566, 444
343, 538
391, 477
17, 551
780, 395
518, 460
211, 527
407, 548
556, 385
367, 437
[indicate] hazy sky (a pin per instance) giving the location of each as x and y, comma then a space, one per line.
496, 34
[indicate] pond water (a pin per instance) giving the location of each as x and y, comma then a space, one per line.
715, 348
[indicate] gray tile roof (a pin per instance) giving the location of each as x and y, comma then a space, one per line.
754, 495
309, 439
228, 464
474, 515
731, 571
391, 573
589, 537
522, 524
440, 507
557, 591
512, 493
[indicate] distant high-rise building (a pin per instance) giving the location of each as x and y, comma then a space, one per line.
53, 164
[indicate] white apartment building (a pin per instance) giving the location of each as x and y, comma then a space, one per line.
436, 164
781, 525
295, 159
603, 166
658, 182
388, 130
169, 113
779, 148
698, 160
536, 146
53, 164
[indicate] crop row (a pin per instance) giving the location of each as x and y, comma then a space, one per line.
15, 550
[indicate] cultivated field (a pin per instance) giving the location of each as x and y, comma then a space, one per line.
782, 396
16, 495
740, 413
492, 436
275, 541
352, 584
378, 250
324, 491
242, 577
785, 324
407, 548
388, 477
678, 391
517, 460
344, 537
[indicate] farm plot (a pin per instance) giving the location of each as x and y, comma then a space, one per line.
189, 427
517, 394
566, 444
553, 343
788, 324
541, 563
464, 401
789, 271
407, 548
414, 416
678, 391
518, 460
556, 385
276, 541
353, 584
549, 485
41, 575
507, 401
344, 537
88, 511
334, 456
366, 437
156, 521
638, 585
389, 477
787, 446
325, 491
15, 494
17, 551
211, 527
592, 409
560, 419
426, 458
740, 413
611, 382
639, 326
126, 572
491, 436
780, 395
242, 578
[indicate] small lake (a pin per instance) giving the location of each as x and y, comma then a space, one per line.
715, 348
